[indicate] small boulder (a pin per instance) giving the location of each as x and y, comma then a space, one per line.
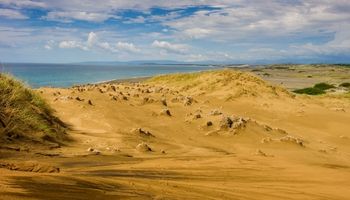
225, 123
143, 147
209, 123
79, 99
188, 101
142, 132
215, 112
266, 140
94, 151
165, 112
147, 100
163, 101
197, 116
115, 98
239, 123
260, 153
292, 139
90, 102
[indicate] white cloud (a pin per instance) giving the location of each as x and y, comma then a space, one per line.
11, 14
50, 44
127, 46
23, 3
197, 33
93, 42
112, 5
68, 16
171, 48
92, 39
339, 45
196, 57
137, 20
262, 20
23, 37
238, 29
70, 44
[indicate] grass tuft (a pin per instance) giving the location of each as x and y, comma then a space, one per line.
24, 114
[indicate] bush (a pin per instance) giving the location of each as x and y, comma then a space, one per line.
24, 114
346, 84
323, 86
318, 88
310, 91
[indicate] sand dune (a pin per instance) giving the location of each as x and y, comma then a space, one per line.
221, 134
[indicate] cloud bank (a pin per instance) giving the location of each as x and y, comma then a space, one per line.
230, 30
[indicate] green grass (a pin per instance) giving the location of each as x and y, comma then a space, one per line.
24, 114
323, 86
310, 91
317, 89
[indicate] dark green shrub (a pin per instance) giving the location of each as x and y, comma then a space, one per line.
323, 86
310, 91
346, 84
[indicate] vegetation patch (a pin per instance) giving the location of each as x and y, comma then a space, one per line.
310, 91
25, 115
343, 65
317, 89
323, 86
346, 84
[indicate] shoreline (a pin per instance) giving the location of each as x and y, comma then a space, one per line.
139, 78
134, 79
125, 80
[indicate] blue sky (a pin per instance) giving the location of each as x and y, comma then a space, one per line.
234, 31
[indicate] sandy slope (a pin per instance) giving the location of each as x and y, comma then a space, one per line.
264, 143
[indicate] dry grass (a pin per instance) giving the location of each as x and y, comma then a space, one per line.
24, 114
232, 83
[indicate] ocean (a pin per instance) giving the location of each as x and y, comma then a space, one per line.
66, 75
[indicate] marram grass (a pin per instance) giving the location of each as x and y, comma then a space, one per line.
24, 114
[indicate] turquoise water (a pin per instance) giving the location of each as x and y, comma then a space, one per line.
66, 75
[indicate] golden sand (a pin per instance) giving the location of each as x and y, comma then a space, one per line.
222, 134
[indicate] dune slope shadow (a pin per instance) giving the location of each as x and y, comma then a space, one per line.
58, 188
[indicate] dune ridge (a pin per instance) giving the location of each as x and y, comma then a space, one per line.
227, 83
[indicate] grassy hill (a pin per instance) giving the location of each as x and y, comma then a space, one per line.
25, 116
